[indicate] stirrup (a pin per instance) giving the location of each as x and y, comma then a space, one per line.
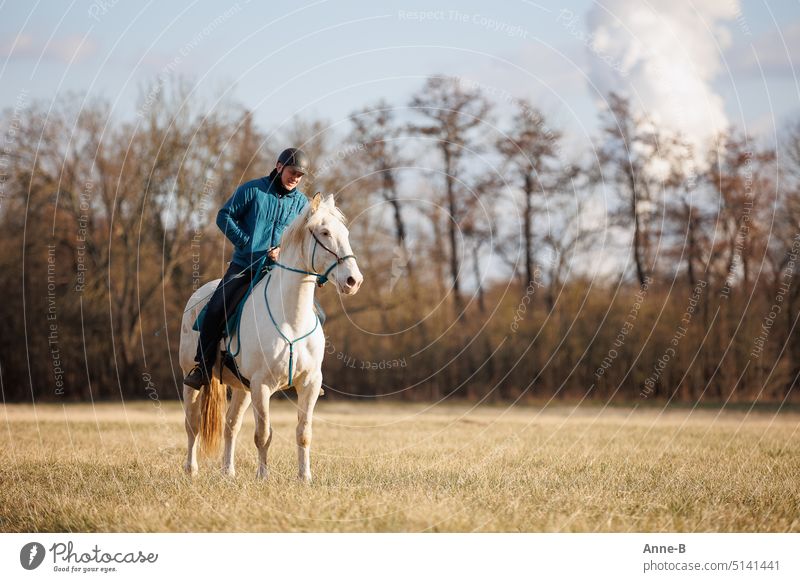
197, 379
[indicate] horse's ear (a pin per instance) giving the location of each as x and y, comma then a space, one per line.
315, 202
329, 201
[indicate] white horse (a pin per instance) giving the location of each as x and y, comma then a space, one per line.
279, 308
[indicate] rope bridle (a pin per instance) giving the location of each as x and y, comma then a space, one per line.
321, 280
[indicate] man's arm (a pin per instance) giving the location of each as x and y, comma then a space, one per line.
229, 216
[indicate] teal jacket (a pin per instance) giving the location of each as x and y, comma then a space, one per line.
256, 215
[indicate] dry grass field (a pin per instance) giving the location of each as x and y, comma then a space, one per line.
407, 467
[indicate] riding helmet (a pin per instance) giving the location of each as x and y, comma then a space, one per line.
295, 158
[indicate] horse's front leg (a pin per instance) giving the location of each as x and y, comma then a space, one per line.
306, 400
240, 400
260, 395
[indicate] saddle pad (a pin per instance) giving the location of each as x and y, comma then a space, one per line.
198, 323
231, 323
233, 315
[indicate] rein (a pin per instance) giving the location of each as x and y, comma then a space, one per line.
286, 339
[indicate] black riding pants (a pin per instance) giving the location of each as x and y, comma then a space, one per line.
221, 306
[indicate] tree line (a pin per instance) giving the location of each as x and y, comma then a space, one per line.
500, 262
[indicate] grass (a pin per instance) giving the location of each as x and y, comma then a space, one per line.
406, 467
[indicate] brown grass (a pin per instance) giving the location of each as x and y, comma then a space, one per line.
404, 467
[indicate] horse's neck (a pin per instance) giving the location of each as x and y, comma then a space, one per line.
290, 294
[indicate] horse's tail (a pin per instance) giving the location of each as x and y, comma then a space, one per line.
213, 416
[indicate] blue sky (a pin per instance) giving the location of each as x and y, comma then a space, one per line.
327, 58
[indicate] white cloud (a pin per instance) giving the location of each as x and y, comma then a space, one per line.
664, 56
65, 49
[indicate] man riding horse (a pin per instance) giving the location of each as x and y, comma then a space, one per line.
253, 219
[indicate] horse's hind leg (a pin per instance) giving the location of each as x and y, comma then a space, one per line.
193, 410
240, 400
263, 436
306, 400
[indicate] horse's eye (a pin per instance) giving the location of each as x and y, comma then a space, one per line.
326, 232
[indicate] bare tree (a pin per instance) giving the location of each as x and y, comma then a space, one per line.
126, 200
479, 225
531, 150
739, 176
626, 154
453, 115
376, 131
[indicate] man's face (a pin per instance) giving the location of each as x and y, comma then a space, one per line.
289, 176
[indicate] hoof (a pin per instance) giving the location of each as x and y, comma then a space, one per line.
190, 470
305, 479
262, 474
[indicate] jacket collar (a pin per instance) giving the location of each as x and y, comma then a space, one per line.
275, 187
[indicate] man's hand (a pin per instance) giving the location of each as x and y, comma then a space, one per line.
273, 254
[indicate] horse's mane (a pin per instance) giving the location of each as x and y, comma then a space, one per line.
295, 233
